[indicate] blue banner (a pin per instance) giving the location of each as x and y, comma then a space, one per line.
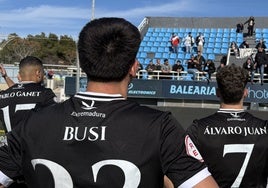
175, 89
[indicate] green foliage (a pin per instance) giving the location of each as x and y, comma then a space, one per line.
51, 49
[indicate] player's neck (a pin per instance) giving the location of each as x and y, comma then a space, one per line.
108, 87
231, 106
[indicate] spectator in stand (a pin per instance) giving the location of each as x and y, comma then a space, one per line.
223, 62
140, 67
177, 67
234, 49
150, 68
191, 67
158, 67
261, 61
188, 42
261, 44
200, 41
250, 67
209, 68
239, 28
244, 44
175, 41
232, 142
166, 68
199, 61
251, 23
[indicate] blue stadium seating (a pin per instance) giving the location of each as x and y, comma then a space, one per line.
156, 42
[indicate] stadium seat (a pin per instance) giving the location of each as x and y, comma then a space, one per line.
173, 56
153, 49
165, 55
155, 34
217, 51
218, 39
158, 55
163, 29
161, 34
207, 30
258, 30
143, 55
181, 56
217, 45
161, 49
224, 50
157, 30
209, 50
156, 43
143, 43
225, 39
163, 44
149, 43
147, 49
158, 39
152, 38
211, 56
150, 29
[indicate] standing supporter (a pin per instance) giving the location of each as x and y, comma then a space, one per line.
191, 67
199, 61
101, 139
251, 23
23, 96
200, 41
232, 142
188, 42
261, 44
261, 61
175, 41
250, 67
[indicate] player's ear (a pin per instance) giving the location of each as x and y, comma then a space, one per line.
134, 68
245, 93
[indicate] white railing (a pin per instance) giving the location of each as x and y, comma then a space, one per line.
174, 75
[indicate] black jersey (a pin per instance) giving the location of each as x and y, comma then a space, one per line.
21, 97
98, 140
234, 145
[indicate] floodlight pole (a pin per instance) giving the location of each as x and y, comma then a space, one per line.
77, 55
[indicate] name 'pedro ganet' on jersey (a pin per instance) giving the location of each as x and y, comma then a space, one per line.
235, 130
21, 94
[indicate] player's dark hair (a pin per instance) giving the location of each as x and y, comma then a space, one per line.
232, 80
107, 48
30, 61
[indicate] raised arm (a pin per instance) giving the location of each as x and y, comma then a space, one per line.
5, 76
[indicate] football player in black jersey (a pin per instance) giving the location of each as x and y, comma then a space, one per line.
98, 138
232, 142
25, 95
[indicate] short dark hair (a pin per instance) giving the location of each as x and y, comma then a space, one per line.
30, 61
232, 80
107, 48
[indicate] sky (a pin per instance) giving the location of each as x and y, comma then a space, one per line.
67, 17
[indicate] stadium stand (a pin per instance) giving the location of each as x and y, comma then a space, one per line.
218, 33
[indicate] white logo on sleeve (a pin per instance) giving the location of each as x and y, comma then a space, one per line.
192, 150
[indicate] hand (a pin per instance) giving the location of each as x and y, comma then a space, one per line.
3, 72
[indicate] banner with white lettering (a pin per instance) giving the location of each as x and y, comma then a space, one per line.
175, 89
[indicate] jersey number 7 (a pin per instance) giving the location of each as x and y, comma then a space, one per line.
239, 148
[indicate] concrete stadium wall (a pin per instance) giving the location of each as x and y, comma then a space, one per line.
204, 22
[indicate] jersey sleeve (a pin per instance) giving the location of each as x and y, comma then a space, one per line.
180, 167
10, 159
